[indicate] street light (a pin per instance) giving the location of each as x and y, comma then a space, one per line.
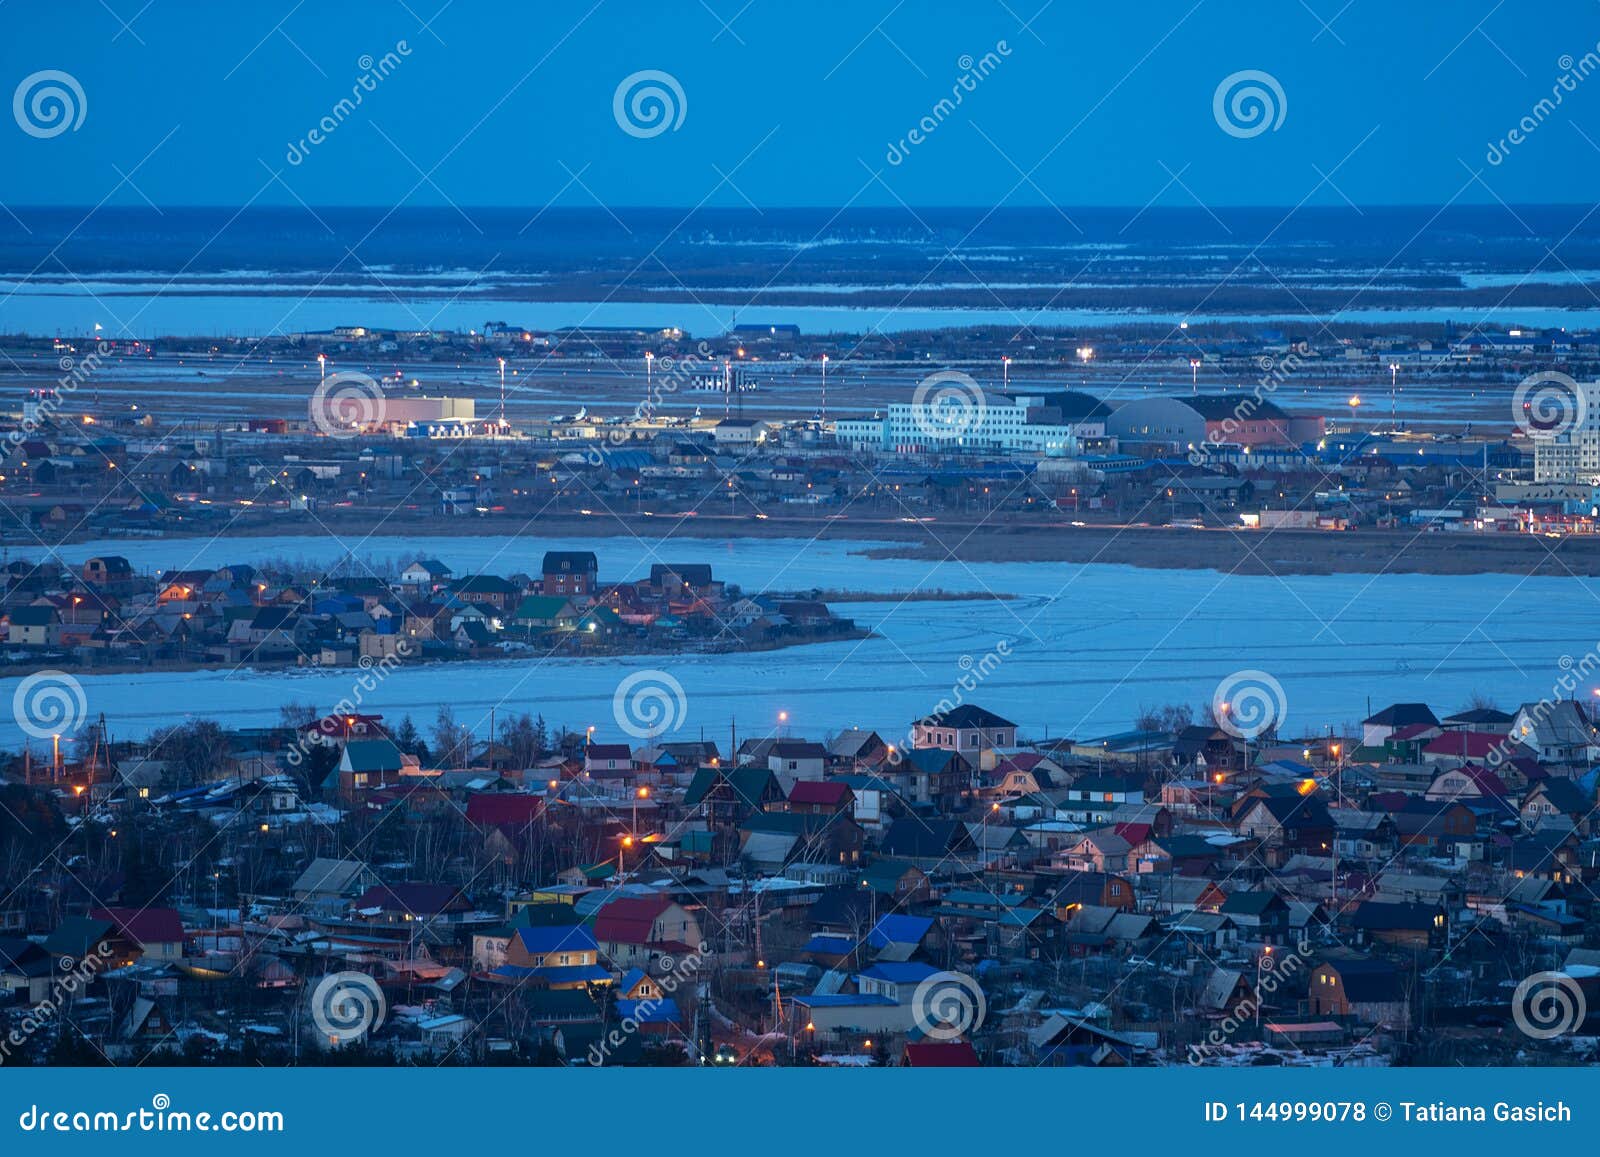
502, 393
1261, 961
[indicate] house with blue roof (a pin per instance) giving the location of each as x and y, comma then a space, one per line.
897, 981
558, 955
850, 1019
897, 937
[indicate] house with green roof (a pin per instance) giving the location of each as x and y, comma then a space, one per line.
538, 613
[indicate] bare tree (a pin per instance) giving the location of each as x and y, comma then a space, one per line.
452, 742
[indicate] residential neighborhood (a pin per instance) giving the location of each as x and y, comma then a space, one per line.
105, 614
946, 891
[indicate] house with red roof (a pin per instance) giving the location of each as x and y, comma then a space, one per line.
949, 1054
1469, 781
148, 934
503, 809
1024, 773
632, 931
1471, 747
820, 797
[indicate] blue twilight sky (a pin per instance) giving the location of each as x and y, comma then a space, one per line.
507, 103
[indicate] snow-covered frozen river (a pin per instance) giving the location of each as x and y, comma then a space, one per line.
1088, 645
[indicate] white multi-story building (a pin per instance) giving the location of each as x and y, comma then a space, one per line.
1571, 453
1050, 425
